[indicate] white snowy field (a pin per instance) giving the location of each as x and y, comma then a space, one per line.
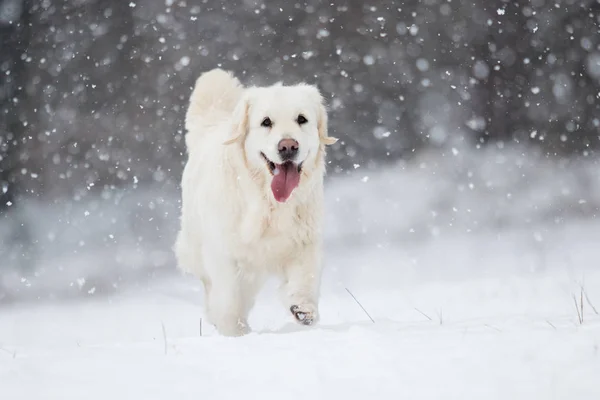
449, 324
471, 270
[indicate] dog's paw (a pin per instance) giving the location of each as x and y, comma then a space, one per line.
233, 328
305, 314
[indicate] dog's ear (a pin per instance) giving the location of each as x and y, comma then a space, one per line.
322, 117
322, 126
239, 120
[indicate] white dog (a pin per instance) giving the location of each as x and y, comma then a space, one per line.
252, 193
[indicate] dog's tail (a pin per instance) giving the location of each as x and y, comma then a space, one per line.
213, 99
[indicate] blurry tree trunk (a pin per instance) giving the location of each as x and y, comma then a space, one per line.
501, 51
14, 39
15, 35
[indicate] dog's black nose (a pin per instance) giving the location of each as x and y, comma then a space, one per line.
288, 149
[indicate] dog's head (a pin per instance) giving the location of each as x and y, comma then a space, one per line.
283, 130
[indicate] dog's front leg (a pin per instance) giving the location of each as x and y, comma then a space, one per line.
301, 285
225, 303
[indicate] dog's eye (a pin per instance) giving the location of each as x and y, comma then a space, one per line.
267, 123
301, 119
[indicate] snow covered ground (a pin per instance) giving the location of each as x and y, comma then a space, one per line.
484, 332
473, 297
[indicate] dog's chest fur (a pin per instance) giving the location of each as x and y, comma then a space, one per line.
274, 233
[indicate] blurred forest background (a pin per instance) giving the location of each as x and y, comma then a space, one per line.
93, 95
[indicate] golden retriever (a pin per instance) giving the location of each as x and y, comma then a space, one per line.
252, 196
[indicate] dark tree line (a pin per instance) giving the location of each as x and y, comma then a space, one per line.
93, 92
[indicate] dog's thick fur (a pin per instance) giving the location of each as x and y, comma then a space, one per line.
234, 233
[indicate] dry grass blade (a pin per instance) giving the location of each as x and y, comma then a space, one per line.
164, 330
360, 305
423, 314
590, 303
581, 303
12, 353
579, 316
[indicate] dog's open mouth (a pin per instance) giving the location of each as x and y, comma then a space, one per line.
286, 178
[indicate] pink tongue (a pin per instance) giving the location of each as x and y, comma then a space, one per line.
285, 181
